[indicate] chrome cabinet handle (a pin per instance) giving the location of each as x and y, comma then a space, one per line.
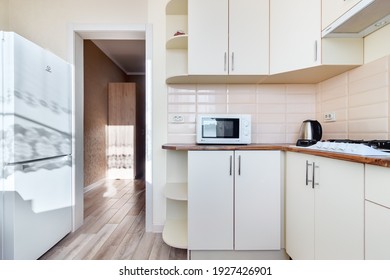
307, 181
231, 165
314, 176
239, 165
315, 50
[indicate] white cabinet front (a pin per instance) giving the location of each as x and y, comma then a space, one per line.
228, 37
324, 208
210, 200
234, 200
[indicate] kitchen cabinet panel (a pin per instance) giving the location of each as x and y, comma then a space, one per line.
377, 215
299, 207
339, 210
210, 200
234, 200
208, 37
377, 232
248, 37
324, 208
257, 200
296, 42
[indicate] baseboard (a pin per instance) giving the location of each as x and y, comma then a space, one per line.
94, 185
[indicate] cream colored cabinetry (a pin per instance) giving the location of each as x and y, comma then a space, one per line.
176, 46
324, 208
296, 43
175, 228
377, 216
228, 37
234, 200
224, 41
333, 9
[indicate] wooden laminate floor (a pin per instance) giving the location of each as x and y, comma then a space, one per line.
114, 228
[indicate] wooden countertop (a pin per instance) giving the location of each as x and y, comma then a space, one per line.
374, 160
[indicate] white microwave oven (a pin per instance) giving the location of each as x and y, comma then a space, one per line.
223, 129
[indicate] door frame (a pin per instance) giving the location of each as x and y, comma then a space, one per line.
77, 33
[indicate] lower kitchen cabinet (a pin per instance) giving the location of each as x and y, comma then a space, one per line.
377, 216
324, 208
234, 200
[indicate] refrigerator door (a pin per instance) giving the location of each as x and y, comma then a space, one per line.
37, 102
37, 206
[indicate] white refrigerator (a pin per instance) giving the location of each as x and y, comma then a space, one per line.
36, 150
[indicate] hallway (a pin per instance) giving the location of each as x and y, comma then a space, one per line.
114, 228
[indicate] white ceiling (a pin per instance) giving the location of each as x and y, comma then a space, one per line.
129, 55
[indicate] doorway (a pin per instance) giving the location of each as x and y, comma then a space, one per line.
77, 36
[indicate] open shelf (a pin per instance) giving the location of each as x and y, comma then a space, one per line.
177, 7
175, 233
178, 42
176, 191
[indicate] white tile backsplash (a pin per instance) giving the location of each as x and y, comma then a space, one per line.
360, 99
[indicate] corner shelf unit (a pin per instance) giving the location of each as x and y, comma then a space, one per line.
176, 46
175, 229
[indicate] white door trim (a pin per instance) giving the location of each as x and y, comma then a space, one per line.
76, 34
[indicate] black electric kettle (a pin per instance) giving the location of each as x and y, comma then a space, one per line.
310, 133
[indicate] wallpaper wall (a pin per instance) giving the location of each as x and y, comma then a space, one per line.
99, 70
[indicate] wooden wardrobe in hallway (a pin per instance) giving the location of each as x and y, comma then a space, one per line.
121, 131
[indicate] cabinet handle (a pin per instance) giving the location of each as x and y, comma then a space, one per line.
314, 175
225, 62
315, 50
307, 172
232, 61
231, 165
239, 165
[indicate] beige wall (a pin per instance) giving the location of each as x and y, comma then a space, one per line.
4, 15
99, 71
46, 22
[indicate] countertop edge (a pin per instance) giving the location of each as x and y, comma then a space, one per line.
373, 160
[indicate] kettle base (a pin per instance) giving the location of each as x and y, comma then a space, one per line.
306, 142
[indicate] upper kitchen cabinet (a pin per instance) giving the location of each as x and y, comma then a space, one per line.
228, 37
298, 53
228, 41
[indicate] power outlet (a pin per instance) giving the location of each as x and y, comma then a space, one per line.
178, 118
330, 117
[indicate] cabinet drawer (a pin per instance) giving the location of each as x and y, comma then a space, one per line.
378, 184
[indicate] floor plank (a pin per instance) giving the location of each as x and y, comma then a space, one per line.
114, 228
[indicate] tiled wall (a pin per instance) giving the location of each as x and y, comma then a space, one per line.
277, 110
360, 99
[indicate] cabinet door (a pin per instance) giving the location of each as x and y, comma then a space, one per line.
339, 209
295, 37
208, 37
210, 200
248, 37
299, 207
377, 232
257, 200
